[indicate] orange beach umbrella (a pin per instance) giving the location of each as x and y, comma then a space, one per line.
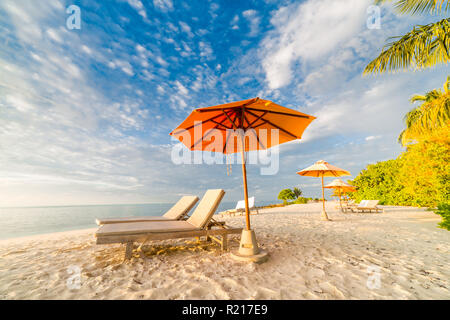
323, 169
263, 116
236, 124
341, 187
257, 114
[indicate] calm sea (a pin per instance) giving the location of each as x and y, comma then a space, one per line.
20, 222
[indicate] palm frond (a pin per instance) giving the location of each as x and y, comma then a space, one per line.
430, 116
447, 85
419, 6
417, 97
423, 47
435, 114
410, 119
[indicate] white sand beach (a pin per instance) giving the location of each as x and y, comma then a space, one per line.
309, 259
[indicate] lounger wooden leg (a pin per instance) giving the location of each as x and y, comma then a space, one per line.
128, 250
208, 239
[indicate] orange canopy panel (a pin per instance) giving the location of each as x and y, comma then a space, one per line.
339, 184
342, 189
256, 117
323, 169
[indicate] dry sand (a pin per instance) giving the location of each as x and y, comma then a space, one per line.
309, 259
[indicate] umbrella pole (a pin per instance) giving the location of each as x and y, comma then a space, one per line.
325, 216
248, 246
340, 201
244, 176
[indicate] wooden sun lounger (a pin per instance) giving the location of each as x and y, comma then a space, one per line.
240, 208
351, 204
368, 206
200, 224
178, 212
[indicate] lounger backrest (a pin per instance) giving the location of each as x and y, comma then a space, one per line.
206, 208
251, 202
182, 207
241, 203
363, 203
372, 203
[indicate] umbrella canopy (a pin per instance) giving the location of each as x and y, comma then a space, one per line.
323, 169
252, 118
257, 114
340, 186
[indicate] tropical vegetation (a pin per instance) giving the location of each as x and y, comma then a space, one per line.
297, 192
431, 115
420, 176
443, 210
292, 194
285, 195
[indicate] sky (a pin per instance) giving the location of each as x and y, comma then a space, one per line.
85, 114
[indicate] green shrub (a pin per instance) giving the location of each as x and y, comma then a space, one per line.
301, 200
419, 177
285, 195
443, 209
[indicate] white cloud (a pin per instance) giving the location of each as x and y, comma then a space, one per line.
206, 50
252, 16
235, 22
123, 65
139, 7
140, 48
54, 35
213, 8
372, 138
62, 140
178, 102
317, 54
308, 31
186, 28
160, 89
19, 103
368, 107
181, 89
86, 49
205, 78
161, 61
163, 5
172, 27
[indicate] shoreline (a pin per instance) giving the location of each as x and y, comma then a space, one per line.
221, 214
53, 235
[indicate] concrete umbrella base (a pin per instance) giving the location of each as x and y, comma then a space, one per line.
325, 216
249, 250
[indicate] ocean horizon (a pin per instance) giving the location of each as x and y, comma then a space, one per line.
28, 221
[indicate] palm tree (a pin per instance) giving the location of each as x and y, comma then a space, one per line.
432, 114
423, 47
297, 192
